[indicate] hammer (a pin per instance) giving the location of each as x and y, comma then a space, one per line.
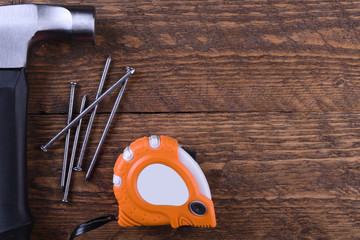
20, 27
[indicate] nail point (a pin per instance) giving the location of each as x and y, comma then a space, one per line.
78, 169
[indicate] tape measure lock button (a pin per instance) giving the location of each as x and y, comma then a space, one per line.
198, 208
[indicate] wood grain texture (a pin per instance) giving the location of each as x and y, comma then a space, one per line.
270, 175
205, 56
266, 92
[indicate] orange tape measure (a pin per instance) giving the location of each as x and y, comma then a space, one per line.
156, 182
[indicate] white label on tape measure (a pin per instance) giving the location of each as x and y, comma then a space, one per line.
159, 184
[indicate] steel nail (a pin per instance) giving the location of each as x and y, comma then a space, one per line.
67, 140
73, 153
88, 109
111, 117
92, 117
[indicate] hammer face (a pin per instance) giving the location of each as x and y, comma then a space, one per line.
24, 24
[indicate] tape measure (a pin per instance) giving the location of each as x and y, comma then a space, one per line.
157, 182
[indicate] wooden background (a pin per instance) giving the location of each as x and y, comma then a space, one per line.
266, 92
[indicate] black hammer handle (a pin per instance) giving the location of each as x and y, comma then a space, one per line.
15, 217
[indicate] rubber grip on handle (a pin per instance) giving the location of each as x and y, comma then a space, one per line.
15, 217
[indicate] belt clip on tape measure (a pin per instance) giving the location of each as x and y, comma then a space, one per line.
157, 182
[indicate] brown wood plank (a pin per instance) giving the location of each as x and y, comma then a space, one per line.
272, 175
266, 92
207, 56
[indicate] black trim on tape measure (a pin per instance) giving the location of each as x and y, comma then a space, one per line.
92, 224
192, 153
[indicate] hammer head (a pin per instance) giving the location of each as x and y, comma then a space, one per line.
24, 24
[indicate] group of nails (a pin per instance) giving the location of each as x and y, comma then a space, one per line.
65, 181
